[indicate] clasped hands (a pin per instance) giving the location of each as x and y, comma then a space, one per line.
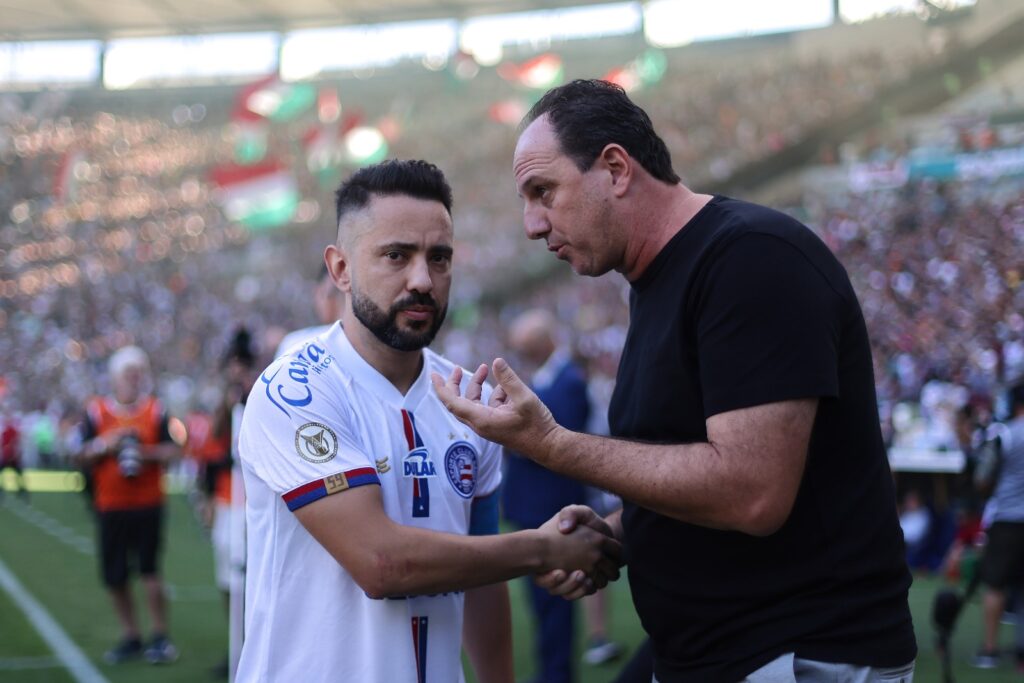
587, 555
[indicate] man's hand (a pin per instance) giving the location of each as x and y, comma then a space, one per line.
573, 585
570, 583
102, 445
513, 417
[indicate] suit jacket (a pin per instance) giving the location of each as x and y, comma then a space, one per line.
533, 494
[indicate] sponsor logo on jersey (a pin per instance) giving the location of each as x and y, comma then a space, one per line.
460, 464
316, 442
296, 392
383, 466
418, 464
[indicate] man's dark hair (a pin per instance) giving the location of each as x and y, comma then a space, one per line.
588, 115
413, 178
240, 348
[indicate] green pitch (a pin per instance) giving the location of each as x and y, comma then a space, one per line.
48, 547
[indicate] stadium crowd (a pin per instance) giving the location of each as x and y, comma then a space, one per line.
110, 232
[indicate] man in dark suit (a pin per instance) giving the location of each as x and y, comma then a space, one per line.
532, 493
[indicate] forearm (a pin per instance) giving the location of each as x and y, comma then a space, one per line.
745, 477
413, 561
389, 559
690, 482
161, 452
487, 633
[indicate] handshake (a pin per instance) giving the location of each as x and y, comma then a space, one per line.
583, 553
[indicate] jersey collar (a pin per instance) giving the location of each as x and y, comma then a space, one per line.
367, 375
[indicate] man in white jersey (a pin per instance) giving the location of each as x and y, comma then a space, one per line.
371, 511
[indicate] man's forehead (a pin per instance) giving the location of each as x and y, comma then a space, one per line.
387, 215
537, 148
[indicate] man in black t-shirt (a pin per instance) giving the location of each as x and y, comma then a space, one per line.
760, 519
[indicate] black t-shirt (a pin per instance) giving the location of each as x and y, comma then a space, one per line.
746, 306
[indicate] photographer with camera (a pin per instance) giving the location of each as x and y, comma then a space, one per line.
125, 446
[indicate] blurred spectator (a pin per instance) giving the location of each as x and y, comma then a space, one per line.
217, 457
328, 301
126, 444
43, 435
916, 521
1002, 563
10, 451
533, 494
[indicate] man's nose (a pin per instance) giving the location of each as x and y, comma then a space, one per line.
536, 223
419, 276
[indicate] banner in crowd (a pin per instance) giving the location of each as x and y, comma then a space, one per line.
987, 165
259, 196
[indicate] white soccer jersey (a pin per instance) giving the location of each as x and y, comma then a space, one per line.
321, 420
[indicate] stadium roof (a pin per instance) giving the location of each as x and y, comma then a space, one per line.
84, 19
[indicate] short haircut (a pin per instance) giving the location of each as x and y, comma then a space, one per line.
413, 178
588, 115
127, 357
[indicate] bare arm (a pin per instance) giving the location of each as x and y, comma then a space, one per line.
161, 452
744, 478
487, 633
389, 559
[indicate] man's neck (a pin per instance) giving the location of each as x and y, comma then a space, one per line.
127, 404
401, 368
665, 210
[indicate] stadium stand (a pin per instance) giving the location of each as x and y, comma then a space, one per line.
113, 231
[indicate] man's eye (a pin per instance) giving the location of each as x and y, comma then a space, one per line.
393, 255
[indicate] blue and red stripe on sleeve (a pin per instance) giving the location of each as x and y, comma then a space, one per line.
329, 485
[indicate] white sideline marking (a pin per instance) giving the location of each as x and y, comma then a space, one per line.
77, 664
27, 663
52, 527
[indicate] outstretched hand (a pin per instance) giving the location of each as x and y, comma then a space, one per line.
513, 416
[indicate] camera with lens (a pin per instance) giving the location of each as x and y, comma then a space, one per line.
129, 456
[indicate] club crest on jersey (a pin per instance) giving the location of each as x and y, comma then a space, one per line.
460, 464
316, 442
417, 464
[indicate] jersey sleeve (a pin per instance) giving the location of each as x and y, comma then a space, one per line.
767, 327
298, 438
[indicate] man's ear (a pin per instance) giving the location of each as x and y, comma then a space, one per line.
616, 160
338, 266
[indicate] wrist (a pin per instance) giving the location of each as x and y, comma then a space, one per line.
549, 445
540, 560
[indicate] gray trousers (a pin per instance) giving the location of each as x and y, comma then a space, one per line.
790, 669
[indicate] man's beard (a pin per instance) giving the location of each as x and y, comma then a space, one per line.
384, 325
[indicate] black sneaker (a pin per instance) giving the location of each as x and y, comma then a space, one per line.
127, 649
161, 651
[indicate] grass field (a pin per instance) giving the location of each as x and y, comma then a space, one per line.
48, 547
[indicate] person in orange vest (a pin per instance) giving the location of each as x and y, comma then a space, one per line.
126, 444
